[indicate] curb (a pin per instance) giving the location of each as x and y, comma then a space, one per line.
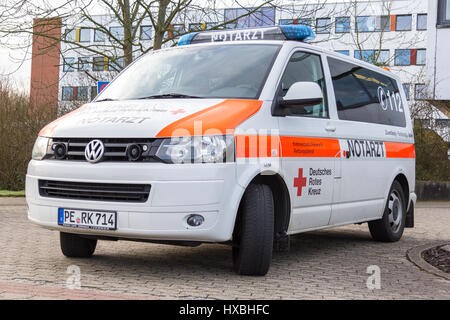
415, 256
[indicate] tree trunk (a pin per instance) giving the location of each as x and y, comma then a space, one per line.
160, 28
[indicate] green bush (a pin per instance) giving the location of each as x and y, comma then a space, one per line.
19, 126
432, 162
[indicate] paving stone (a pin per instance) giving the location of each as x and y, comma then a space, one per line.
326, 264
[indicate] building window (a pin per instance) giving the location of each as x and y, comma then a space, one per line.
419, 91
406, 88
403, 22
68, 64
93, 92
69, 35
82, 93
99, 36
342, 25
146, 33
383, 23
421, 57
83, 64
98, 64
444, 13
282, 22
117, 33
177, 30
402, 57
84, 35
365, 24
116, 65
346, 52
442, 123
323, 25
264, 16
421, 21
373, 56
67, 93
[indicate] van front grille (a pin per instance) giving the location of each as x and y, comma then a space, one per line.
115, 148
94, 191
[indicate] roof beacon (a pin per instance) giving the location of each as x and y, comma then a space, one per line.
286, 32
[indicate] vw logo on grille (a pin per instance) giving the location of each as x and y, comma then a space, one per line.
94, 151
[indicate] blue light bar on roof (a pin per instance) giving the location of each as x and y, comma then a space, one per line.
286, 32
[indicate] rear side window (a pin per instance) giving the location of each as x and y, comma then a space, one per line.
365, 95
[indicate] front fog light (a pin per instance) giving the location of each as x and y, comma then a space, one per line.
195, 220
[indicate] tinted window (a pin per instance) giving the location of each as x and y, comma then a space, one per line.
68, 65
346, 52
85, 35
402, 57
305, 67
342, 24
99, 36
407, 88
403, 23
146, 32
323, 25
422, 21
365, 24
365, 95
249, 17
421, 57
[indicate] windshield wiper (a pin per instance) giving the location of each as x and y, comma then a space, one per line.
106, 99
169, 96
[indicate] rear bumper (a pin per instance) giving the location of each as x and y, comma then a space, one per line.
176, 192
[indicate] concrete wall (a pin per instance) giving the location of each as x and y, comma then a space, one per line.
429, 190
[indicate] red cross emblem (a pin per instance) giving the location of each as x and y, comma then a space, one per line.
300, 182
178, 111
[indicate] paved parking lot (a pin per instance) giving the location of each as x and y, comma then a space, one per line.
330, 264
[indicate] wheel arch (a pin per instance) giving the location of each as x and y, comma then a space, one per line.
281, 198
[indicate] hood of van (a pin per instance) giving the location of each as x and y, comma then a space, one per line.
153, 118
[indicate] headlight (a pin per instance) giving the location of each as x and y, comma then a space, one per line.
206, 149
40, 148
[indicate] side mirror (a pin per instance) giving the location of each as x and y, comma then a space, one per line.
302, 94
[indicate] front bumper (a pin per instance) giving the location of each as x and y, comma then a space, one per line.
177, 190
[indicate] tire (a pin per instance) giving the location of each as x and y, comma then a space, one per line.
253, 234
74, 246
390, 227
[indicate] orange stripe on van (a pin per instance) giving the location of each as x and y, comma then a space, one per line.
253, 146
399, 150
221, 118
257, 146
310, 147
48, 130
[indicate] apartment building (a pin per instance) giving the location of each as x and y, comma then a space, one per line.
392, 34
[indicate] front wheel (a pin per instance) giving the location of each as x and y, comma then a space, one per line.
75, 246
253, 234
390, 227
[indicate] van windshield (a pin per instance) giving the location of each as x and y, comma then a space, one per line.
222, 71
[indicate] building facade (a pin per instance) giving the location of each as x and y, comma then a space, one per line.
395, 34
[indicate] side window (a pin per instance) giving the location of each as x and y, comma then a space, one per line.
365, 95
305, 66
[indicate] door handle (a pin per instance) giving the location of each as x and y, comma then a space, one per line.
330, 128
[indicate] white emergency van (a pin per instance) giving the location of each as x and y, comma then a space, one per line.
242, 137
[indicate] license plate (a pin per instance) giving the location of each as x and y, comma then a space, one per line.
89, 219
